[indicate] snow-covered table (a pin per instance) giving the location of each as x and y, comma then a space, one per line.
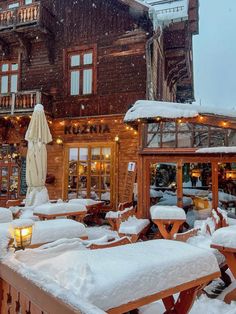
122, 278
51, 211
168, 219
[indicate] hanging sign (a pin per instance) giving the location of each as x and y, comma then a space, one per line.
129, 183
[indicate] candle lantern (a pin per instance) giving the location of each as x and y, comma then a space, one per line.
230, 174
22, 233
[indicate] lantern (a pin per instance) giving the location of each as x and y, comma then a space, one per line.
22, 233
230, 174
196, 173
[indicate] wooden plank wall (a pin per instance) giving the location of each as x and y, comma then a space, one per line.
126, 149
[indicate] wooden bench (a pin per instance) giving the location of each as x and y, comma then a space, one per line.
123, 216
224, 240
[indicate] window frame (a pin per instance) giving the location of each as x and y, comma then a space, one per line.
9, 73
89, 174
80, 50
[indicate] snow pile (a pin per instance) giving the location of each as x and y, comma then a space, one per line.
6, 234
5, 215
117, 214
59, 208
144, 109
164, 12
51, 230
224, 197
217, 150
153, 109
108, 278
204, 242
171, 200
225, 237
22, 223
154, 193
133, 225
167, 212
84, 201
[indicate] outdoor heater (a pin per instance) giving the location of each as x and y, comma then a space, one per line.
23, 229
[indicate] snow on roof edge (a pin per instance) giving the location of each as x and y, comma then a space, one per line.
147, 109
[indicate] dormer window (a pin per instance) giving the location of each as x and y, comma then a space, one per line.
8, 77
81, 72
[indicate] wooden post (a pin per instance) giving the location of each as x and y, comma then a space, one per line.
215, 195
13, 101
179, 176
38, 97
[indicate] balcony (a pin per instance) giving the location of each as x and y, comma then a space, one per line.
23, 102
23, 17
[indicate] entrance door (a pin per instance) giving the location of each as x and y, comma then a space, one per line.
9, 179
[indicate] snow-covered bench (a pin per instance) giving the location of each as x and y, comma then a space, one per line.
126, 223
224, 240
123, 278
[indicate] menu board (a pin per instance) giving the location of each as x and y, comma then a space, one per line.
129, 183
23, 185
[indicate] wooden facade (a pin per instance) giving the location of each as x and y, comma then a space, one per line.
87, 62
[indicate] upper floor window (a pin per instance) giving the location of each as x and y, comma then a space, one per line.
81, 72
8, 77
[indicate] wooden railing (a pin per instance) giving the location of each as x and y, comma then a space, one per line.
20, 295
23, 101
33, 14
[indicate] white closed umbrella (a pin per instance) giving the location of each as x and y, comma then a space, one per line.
37, 135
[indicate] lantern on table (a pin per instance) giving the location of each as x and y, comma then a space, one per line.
23, 229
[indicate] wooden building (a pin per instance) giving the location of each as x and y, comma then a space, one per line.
87, 62
186, 157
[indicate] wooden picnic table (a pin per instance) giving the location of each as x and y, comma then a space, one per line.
78, 216
168, 227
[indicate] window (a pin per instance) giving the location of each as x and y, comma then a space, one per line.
187, 135
89, 172
8, 77
13, 5
81, 72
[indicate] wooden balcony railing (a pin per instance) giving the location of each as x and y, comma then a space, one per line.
33, 14
23, 101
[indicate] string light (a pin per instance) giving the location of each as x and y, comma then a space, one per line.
179, 121
116, 138
62, 122
158, 118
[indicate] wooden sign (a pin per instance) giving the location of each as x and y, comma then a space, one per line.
127, 195
86, 129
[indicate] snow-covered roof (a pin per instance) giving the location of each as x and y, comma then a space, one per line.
146, 109
163, 12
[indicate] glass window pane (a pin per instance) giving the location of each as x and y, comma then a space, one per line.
28, 2
163, 184
95, 167
88, 58
95, 183
87, 81
13, 5
83, 168
75, 60
82, 182
74, 80
95, 153
105, 168
73, 154
4, 84
14, 79
105, 183
106, 153
5, 67
14, 66
83, 154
